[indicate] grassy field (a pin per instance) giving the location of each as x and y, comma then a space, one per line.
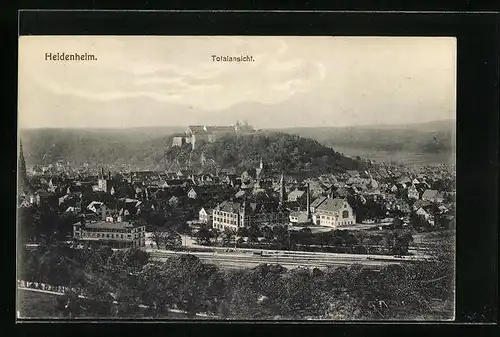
37, 305
31, 304
433, 237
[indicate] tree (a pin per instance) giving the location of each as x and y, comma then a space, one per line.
306, 230
402, 242
301, 296
223, 310
419, 222
228, 236
243, 231
158, 236
155, 290
172, 239
267, 232
215, 234
397, 222
192, 282
253, 233
203, 235
281, 233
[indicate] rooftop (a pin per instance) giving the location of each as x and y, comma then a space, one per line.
109, 225
331, 204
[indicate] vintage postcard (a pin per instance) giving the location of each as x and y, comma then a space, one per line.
236, 178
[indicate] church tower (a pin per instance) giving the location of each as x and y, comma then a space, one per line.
102, 183
23, 183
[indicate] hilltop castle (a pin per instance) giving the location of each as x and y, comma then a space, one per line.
195, 133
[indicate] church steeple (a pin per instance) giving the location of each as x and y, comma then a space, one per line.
22, 176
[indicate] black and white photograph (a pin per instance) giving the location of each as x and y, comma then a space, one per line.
236, 178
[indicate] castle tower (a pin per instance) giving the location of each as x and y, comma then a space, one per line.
261, 164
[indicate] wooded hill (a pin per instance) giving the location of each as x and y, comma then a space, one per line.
280, 151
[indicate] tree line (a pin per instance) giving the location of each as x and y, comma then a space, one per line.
388, 242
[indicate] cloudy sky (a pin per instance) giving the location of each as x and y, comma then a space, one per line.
294, 81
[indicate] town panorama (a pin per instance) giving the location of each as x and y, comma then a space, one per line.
184, 238
306, 184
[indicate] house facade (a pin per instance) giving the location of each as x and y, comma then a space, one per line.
116, 234
205, 215
334, 213
232, 215
433, 196
413, 192
192, 194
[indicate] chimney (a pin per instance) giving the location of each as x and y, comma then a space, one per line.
308, 202
282, 190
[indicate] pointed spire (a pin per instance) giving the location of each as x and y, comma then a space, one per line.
22, 176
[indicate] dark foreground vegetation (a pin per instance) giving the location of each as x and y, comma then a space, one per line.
420, 290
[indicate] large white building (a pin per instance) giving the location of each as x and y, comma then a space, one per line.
331, 212
233, 215
111, 232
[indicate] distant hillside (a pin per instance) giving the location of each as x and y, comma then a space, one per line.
430, 142
120, 147
141, 147
280, 152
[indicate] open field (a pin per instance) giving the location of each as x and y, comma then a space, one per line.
406, 157
36, 304
33, 304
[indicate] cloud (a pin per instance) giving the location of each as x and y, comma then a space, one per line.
274, 77
293, 79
